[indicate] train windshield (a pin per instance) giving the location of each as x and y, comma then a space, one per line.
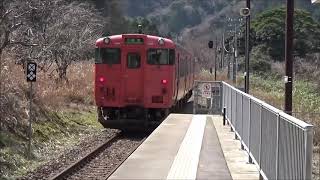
161, 56
108, 56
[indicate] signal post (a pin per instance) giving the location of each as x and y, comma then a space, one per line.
31, 78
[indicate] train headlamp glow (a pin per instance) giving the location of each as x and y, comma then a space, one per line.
161, 41
106, 40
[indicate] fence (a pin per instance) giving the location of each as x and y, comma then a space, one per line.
279, 144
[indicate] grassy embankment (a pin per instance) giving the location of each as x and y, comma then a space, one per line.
64, 113
306, 105
306, 98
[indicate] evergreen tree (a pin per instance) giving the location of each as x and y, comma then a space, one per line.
268, 29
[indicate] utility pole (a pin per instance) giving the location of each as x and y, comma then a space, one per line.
229, 68
234, 67
229, 52
222, 52
228, 56
215, 59
210, 45
229, 33
246, 87
289, 57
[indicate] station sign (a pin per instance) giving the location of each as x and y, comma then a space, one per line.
206, 90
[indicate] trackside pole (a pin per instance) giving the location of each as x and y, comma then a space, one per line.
31, 77
30, 121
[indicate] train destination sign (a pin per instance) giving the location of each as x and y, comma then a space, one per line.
134, 40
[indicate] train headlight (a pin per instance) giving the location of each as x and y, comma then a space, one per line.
161, 41
106, 40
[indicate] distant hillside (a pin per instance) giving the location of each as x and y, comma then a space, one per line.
199, 17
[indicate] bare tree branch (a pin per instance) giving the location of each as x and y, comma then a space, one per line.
3, 17
22, 43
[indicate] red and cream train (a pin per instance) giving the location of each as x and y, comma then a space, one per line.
139, 79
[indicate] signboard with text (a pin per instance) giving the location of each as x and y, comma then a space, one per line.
206, 90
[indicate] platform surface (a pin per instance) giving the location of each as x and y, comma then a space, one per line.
184, 146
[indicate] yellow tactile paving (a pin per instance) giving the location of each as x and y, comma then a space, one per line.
185, 164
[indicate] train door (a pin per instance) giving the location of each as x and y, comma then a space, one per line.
133, 76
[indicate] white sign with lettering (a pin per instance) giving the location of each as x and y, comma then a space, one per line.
206, 90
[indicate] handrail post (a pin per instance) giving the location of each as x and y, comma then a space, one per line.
194, 101
242, 146
224, 116
221, 96
308, 135
235, 118
277, 147
228, 122
260, 142
231, 119
250, 159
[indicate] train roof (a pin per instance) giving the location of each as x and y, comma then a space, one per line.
148, 39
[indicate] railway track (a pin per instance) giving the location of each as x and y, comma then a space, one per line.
103, 160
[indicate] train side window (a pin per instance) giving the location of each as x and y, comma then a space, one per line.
182, 67
172, 56
133, 61
178, 66
108, 56
187, 66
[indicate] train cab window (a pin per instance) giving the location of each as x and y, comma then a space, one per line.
108, 56
133, 61
161, 56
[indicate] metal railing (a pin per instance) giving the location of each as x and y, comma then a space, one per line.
279, 144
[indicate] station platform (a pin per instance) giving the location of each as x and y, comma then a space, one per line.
187, 146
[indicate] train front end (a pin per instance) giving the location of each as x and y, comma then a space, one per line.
134, 80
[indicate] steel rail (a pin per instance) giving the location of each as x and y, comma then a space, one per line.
124, 159
87, 158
